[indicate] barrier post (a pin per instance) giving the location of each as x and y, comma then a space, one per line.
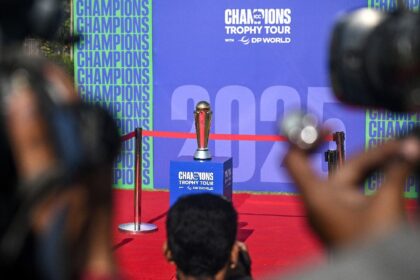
137, 226
339, 138
331, 159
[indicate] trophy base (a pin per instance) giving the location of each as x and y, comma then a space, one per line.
215, 177
202, 154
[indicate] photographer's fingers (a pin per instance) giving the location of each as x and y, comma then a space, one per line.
387, 205
301, 171
241, 245
28, 137
355, 170
395, 176
397, 172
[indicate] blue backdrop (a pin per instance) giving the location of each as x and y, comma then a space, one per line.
254, 61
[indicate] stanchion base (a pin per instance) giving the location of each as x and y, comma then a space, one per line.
137, 228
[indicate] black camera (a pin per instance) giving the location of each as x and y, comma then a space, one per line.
84, 137
242, 270
375, 59
22, 18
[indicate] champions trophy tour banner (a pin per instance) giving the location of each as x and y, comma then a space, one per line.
383, 125
258, 26
113, 69
254, 62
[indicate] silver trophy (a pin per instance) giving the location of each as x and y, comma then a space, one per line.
202, 117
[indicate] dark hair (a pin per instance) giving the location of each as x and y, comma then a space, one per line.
201, 231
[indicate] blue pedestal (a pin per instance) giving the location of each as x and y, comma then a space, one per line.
189, 176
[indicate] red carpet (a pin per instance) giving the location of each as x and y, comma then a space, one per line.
273, 227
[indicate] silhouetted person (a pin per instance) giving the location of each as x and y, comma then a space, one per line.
368, 236
201, 239
61, 217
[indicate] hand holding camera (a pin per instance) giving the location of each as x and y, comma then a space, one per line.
373, 63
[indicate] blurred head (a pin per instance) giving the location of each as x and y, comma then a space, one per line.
61, 153
201, 233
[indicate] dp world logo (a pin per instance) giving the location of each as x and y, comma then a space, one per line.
244, 40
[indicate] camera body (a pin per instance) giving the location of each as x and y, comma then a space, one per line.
36, 18
374, 59
84, 137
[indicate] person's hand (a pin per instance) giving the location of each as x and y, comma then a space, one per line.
337, 208
240, 262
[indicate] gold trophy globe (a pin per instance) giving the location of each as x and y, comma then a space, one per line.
202, 118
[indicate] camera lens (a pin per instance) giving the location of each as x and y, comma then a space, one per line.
300, 129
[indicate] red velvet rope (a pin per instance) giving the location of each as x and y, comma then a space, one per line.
128, 136
234, 137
